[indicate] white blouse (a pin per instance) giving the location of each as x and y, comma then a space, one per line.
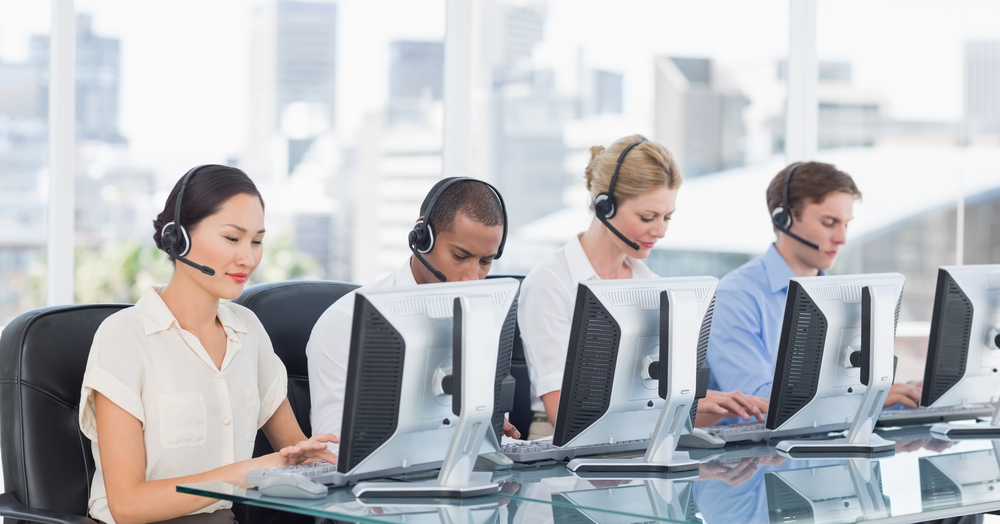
195, 417
545, 312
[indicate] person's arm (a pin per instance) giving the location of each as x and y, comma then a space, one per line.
131, 498
545, 319
283, 431
718, 405
328, 352
737, 352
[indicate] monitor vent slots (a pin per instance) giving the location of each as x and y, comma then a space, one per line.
706, 329
799, 366
936, 489
948, 349
503, 364
593, 354
381, 363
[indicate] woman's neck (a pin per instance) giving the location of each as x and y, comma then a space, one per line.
602, 251
194, 308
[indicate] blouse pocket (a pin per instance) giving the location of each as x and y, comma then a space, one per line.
183, 420
252, 412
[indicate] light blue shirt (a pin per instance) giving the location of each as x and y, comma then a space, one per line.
746, 326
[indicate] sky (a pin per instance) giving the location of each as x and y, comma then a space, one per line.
184, 62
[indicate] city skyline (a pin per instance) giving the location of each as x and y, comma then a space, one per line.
209, 125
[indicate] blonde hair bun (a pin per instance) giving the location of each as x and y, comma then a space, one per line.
647, 167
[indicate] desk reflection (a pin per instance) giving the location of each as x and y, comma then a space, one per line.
960, 479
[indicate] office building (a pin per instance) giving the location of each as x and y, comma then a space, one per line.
416, 79
981, 108
698, 115
292, 84
98, 79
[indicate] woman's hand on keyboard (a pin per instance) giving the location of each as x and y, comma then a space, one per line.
718, 405
509, 430
308, 451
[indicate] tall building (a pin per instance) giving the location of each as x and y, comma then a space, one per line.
416, 80
982, 86
697, 116
98, 77
607, 93
292, 95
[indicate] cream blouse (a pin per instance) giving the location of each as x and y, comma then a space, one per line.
195, 417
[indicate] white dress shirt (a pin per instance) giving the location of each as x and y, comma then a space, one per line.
195, 416
545, 312
328, 350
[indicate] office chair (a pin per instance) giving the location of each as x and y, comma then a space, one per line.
288, 310
520, 414
47, 462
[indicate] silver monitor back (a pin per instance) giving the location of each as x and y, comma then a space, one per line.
403, 421
608, 395
815, 385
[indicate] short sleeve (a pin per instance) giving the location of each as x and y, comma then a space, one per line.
114, 369
544, 320
272, 378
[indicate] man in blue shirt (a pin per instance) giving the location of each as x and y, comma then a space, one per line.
811, 227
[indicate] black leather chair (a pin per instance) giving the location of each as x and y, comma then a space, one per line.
520, 414
288, 310
47, 462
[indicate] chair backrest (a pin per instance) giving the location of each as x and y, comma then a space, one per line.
288, 310
520, 414
47, 462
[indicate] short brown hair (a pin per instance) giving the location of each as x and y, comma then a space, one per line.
811, 183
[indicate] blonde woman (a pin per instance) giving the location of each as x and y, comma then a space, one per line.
633, 192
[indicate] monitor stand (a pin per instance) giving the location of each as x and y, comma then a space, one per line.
951, 431
477, 338
681, 338
878, 313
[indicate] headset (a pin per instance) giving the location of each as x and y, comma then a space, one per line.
605, 206
782, 218
174, 236
421, 237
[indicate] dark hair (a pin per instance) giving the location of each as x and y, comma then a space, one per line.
473, 199
811, 183
206, 191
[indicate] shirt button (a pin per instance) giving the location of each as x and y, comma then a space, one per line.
218, 375
225, 421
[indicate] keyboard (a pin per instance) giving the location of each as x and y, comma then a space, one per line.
321, 472
925, 415
523, 452
751, 431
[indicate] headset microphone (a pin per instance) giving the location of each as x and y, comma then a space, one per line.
782, 218
421, 237
174, 237
605, 206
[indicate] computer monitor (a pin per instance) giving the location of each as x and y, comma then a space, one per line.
422, 382
963, 359
846, 492
835, 361
960, 479
631, 370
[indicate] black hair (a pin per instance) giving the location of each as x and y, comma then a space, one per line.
475, 200
206, 191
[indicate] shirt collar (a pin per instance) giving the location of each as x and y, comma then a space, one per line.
581, 270
156, 316
778, 271
404, 275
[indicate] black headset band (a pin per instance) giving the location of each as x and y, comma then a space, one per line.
784, 191
618, 166
448, 183
180, 196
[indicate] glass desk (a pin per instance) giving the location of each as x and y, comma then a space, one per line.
926, 479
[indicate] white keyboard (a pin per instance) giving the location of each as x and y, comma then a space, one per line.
925, 415
751, 431
538, 450
322, 472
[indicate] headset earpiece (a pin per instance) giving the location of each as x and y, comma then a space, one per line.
781, 219
175, 240
604, 205
422, 237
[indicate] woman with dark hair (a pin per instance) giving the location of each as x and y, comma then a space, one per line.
177, 386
